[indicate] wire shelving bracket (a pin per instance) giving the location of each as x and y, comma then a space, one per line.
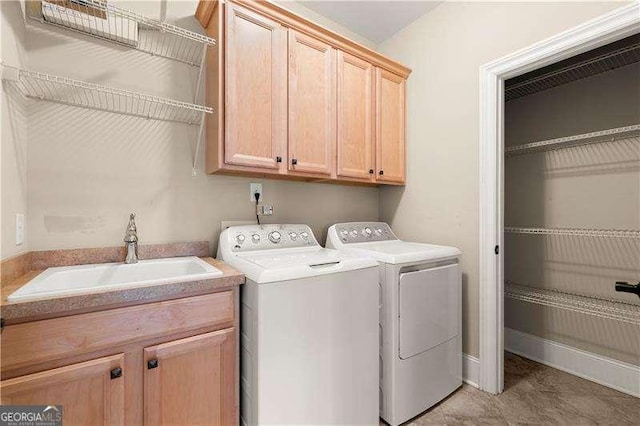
100, 19
609, 135
603, 308
606, 233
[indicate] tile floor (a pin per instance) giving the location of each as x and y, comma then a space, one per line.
535, 394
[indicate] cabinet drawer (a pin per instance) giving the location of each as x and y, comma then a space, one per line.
52, 339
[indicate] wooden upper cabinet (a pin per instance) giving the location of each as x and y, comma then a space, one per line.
312, 105
91, 392
390, 127
355, 118
255, 89
192, 379
293, 99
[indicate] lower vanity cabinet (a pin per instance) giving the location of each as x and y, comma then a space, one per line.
90, 393
164, 363
190, 379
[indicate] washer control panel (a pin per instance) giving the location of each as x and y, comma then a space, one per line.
362, 232
264, 237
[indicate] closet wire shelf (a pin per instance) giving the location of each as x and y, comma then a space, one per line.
609, 309
79, 93
606, 62
575, 232
609, 135
100, 19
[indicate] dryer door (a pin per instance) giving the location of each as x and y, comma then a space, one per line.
429, 308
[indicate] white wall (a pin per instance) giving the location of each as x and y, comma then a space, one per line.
445, 49
13, 130
589, 186
88, 169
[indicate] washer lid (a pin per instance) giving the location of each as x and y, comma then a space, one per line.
289, 264
396, 251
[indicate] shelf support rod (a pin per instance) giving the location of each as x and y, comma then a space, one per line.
194, 170
200, 73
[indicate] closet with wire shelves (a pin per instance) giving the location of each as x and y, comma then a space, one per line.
104, 20
572, 202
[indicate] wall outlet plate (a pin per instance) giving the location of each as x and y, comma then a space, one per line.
265, 210
253, 188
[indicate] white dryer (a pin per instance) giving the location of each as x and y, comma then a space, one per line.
420, 317
309, 328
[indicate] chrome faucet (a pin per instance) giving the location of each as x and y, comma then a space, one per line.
131, 240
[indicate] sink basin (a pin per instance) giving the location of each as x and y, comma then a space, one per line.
83, 279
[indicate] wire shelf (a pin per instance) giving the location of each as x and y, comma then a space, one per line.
90, 95
603, 308
609, 135
583, 69
607, 233
103, 20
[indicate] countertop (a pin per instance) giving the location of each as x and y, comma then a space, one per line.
17, 312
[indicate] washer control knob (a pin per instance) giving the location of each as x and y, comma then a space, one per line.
255, 238
367, 232
344, 233
240, 238
353, 233
275, 237
293, 236
378, 231
304, 235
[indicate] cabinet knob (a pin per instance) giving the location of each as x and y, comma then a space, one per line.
152, 363
381, 172
115, 373
278, 159
294, 161
370, 171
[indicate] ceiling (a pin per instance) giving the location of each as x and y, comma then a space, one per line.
374, 20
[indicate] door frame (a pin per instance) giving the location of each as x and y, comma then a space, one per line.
612, 26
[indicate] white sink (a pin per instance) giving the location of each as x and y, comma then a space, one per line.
83, 279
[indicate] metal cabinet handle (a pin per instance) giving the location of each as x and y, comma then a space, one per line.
152, 363
625, 287
294, 161
115, 373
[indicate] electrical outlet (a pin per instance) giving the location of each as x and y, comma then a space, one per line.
19, 229
253, 188
264, 210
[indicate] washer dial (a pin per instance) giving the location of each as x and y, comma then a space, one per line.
275, 237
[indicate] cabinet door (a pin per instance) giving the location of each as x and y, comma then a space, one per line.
355, 117
191, 381
312, 105
390, 127
256, 90
91, 392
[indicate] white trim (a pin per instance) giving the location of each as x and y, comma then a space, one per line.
605, 29
609, 372
470, 370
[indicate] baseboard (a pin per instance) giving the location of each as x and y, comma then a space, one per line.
605, 371
470, 370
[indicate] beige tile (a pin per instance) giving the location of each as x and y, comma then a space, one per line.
471, 406
549, 379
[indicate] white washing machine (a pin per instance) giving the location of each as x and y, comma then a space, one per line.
309, 328
420, 317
